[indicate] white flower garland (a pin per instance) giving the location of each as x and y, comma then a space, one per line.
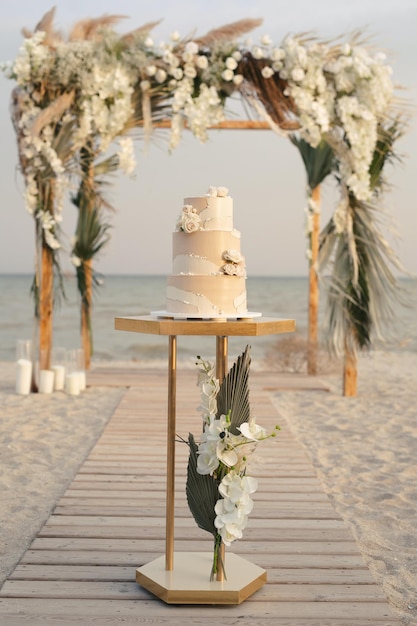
340, 93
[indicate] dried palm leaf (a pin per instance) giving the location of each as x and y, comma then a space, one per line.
88, 29
202, 492
141, 30
16, 109
229, 32
233, 395
52, 37
269, 91
52, 113
46, 22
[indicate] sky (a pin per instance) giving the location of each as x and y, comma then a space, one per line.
263, 172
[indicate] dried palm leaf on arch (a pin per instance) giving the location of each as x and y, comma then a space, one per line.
269, 91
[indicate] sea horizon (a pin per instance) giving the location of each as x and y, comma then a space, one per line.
129, 294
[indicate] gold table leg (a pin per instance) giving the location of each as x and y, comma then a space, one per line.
221, 371
172, 402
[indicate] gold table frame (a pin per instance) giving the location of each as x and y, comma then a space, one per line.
189, 582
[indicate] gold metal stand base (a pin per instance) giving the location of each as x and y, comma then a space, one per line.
189, 581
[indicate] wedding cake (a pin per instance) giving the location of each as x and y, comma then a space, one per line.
208, 277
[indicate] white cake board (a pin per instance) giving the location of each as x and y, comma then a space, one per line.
186, 316
189, 581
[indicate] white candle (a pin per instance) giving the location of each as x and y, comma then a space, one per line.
46, 381
59, 380
82, 380
23, 376
72, 384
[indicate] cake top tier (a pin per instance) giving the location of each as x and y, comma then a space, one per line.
214, 211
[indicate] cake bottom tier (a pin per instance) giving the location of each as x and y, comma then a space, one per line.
203, 296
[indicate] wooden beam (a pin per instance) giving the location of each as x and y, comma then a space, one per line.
227, 125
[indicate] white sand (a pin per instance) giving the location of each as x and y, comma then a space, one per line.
365, 452
43, 441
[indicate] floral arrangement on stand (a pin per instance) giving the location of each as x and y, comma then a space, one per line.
219, 486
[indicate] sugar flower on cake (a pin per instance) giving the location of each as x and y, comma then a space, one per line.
235, 263
189, 220
218, 192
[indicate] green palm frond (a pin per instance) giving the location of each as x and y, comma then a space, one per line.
319, 162
361, 298
91, 234
384, 152
233, 395
362, 287
202, 492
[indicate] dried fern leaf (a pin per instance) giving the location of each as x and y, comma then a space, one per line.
229, 31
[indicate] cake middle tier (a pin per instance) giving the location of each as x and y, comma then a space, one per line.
206, 296
202, 252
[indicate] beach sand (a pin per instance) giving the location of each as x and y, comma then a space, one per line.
43, 441
364, 450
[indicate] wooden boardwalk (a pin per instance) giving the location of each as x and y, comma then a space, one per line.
80, 569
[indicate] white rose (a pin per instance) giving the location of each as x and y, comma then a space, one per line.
297, 74
267, 72
189, 220
229, 269
202, 62
227, 75
231, 63
160, 75
191, 47
237, 79
232, 255
190, 71
151, 70
257, 52
177, 73
222, 192
277, 54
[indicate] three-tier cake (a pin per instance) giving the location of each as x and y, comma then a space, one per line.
208, 277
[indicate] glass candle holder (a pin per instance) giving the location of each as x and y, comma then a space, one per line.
81, 368
72, 379
58, 366
23, 366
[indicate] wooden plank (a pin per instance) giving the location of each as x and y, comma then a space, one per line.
136, 558
86, 609
122, 573
116, 590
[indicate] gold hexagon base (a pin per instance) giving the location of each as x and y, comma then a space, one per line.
189, 581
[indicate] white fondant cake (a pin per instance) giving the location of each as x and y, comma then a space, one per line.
208, 271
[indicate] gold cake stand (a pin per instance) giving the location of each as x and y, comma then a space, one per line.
188, 582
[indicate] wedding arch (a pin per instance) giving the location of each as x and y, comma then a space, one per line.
78, 100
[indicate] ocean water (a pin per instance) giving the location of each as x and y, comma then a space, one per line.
283, 297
